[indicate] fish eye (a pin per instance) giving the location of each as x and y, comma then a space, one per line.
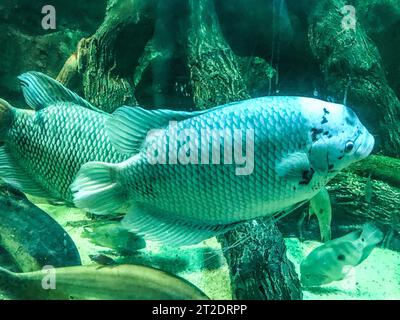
341, 257
349, 146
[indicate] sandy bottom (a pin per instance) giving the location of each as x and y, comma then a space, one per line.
378, 277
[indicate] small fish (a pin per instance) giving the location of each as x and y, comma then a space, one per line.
123, 282
320, 205
334, 259
293, 147
114, 235
45, 147
102, 259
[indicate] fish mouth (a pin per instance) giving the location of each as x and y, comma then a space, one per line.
366, 146
309, 281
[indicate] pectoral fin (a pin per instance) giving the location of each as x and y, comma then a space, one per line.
295, 167
320, 205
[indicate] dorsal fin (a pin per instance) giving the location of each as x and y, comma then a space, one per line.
41, 91
128, 126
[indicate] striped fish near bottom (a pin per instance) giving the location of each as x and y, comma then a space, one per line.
333, 260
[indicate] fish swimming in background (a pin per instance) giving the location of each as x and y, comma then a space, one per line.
45, 147
113, 235
122, 282
334, 259
293, 146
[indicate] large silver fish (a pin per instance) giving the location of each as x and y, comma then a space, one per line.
180, 194
45, 147
334, 259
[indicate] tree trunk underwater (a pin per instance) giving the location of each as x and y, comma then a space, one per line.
108, 58
259, 267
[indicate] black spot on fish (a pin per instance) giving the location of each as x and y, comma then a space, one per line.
314, 133
331, 166
351, 117
324, 120
341, 257
340, 158
326, 133
307, 176
326, 111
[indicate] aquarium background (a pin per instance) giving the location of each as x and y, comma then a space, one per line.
196, 54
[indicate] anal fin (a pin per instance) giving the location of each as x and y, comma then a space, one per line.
154, 225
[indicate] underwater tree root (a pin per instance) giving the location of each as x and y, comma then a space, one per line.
259, 267
107, 60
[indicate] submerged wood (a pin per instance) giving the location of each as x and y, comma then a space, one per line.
108, 59
259, 267
353, 71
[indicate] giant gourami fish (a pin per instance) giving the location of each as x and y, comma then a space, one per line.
45, 147
182, 183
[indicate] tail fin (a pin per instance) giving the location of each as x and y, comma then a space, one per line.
6, 116
97, 190
370, 237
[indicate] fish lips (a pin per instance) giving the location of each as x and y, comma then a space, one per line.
365, 147
314, 280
